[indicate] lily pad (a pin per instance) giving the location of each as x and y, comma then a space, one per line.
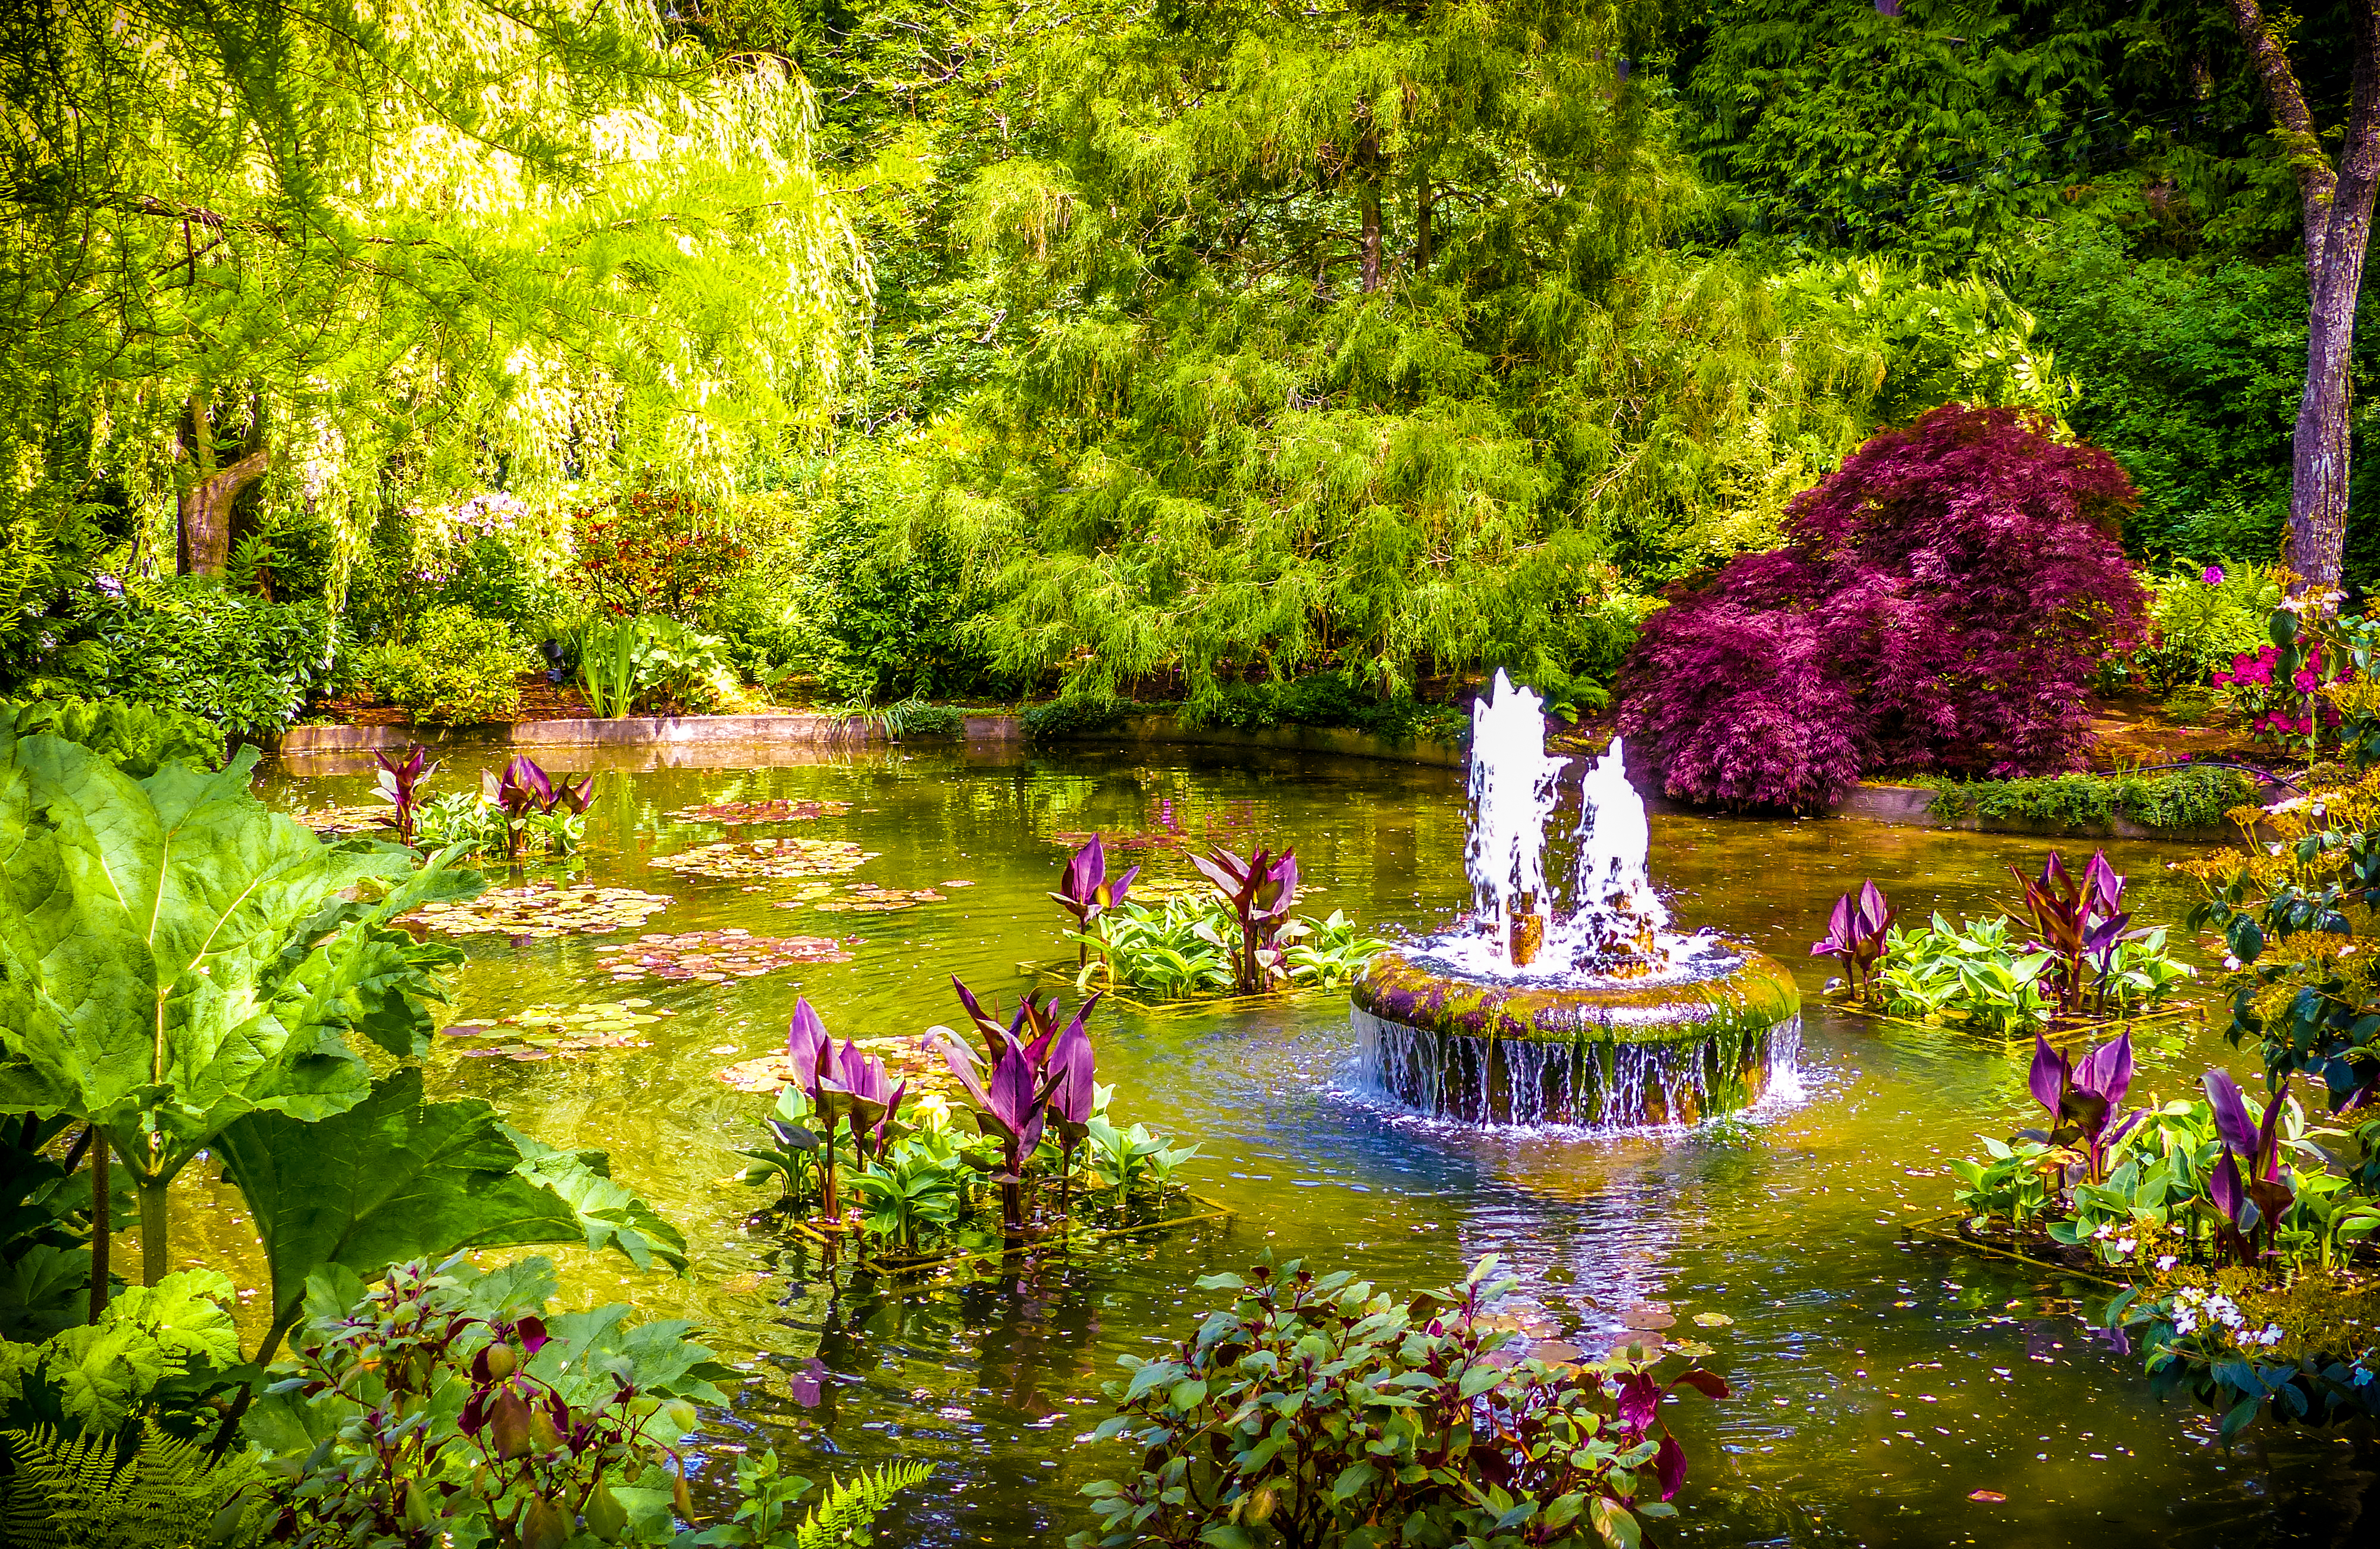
544, 909
905, 1058
739, 859
715, 957
332, 822
780, 810
867, 898
561, 1031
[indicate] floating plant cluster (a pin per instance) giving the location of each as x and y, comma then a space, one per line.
549, 1032
715, 957
745, 860
542, 910
779, 810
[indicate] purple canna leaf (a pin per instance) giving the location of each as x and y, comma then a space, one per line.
804, 1036
2106, 1071
2103, 883
2051, 1075
2223, 1186
1073, 1068
2231, 1120
1875, 915
2267, 1157
1839, 932
1113, 894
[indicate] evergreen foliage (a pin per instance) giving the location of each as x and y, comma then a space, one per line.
1942, 605
850, 1506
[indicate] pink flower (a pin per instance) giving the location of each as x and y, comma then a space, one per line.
2213, 576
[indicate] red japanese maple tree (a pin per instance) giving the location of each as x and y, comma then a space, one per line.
1942, 604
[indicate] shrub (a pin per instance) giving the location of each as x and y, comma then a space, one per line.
654, 551
485, 553
243, 662
1310, 1411
1942, 604
453, 669
2187, 799
2200, 617
1322, 698
1075, 715
134, 737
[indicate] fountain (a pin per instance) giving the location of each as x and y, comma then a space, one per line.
1582, 1009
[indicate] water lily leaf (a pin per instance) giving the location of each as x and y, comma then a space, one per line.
543, 1032
544, 909
780, 810
736, 859
711, 957
866, 898
1713, 1320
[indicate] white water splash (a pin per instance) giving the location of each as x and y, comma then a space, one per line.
1513, 796
1612, 891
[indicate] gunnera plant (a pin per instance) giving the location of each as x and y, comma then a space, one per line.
1941, 605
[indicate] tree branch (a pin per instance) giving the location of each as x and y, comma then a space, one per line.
2317, 180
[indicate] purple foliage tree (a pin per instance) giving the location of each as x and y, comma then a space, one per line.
1940, 605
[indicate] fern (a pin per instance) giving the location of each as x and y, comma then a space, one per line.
851, 1507
75, 1493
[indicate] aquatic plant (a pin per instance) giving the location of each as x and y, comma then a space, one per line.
2247, 1185
2079, 924
1261, 890
1855, 934
845, 1089
1174, 951
1087, 894
525, 796
1316, 1409
2083, 1101
400, 781
1902, 625
1324, 954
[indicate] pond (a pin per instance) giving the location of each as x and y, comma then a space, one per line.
1880, 1382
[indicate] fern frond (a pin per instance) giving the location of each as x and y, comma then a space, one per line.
851, 1507
80, 1492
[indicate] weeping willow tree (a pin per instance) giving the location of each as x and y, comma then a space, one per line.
301, 252
1352, 334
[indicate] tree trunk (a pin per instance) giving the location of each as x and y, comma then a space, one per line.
1423, 236
2337, 204
1371, 238
203, 513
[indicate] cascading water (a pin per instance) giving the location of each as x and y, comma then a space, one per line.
1574, 1005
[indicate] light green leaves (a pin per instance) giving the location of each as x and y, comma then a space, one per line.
97, 1376
168, 960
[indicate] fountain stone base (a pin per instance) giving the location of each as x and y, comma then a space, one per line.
1699, 1040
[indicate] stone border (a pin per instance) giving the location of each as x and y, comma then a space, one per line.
1911, 807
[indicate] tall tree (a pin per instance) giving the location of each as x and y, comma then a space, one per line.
321, 242
2337, 197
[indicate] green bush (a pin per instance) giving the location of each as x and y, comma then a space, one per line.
2185, 799
188, 643
1322, 698
481, 554
453, 668
134, 737
1075, 715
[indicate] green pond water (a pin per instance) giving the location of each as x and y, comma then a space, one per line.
1878, 1380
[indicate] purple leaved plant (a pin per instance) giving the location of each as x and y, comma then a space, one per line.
1260, 889
1856, 936
1942, 604
400, 781
2085, 1100
1086, 892
2248, 1183
846, 1089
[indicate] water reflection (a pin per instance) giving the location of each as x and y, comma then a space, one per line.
1882, 1381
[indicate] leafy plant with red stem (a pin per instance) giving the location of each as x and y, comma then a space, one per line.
1261, 890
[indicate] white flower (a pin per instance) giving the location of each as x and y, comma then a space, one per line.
2166, 1263
2105, 1230
2230, 963
2185, 1322
2291, 805
2126, 1246
2271, 1336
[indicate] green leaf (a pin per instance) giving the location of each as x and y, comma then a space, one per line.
1614, 1523
101, 1372
392, 1178
609, 1213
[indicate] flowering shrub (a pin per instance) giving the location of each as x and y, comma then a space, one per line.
1942, 604
2276, 704
653, 551
2201, 617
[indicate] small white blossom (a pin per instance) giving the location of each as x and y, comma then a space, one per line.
2126, 1246
2166, 1263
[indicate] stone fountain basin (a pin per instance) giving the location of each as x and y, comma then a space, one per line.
1701, 1039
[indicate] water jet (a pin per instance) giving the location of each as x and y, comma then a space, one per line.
1573, 1006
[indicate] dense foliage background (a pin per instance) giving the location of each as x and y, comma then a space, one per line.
1162, 349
